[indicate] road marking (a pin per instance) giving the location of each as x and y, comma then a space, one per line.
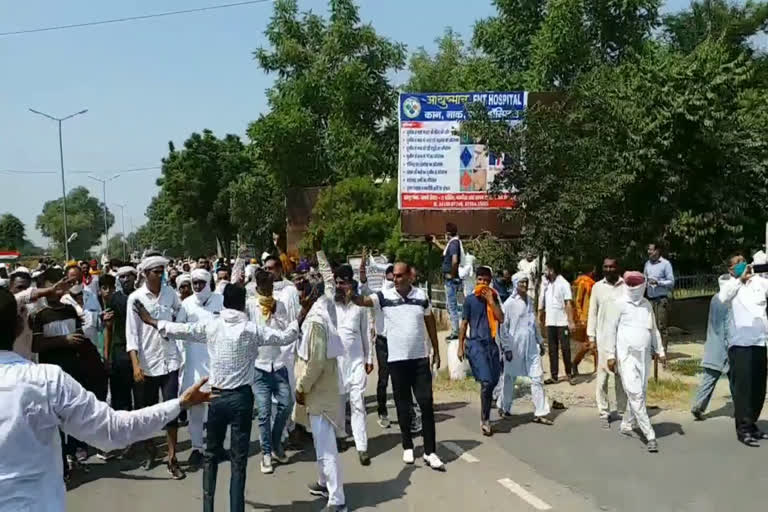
460, 453
514, 487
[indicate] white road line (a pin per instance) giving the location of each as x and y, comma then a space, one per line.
514, 487
460, 453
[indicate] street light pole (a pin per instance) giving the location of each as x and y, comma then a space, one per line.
59, 120
104, 182
125, 238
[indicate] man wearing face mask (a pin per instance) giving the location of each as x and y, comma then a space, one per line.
633, 340
121, 370
201, 306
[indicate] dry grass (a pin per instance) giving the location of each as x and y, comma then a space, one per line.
669, 393
464, 390
688, 366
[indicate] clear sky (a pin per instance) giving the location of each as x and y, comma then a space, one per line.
147, 82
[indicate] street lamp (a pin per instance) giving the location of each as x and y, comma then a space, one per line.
104, 182
122, 219
61, 161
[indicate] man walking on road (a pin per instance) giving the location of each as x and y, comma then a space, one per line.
452, 253
556, 312
604, 294
408, 319
115, 353
660, 280
745, 294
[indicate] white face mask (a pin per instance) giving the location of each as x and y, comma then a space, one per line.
636, 293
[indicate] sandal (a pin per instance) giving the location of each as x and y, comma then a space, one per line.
487, 430
543, 420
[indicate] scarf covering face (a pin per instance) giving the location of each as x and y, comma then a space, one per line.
635, 282
492, 322
200, 274
267, 304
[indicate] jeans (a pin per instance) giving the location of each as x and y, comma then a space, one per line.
382, 353
709, 378
558, 336
121, 382
452, 287
413, 376
266, 385
747, 374
232, 407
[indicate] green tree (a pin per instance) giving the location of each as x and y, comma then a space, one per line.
195, 187
11, 232
258, 208
85, 216
330, 100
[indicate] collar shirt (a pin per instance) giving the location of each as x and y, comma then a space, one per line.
747, 302
38, 400
286, 292
603, 295
404, 322
353, 326
23, 343
270, 358
661, 271
195, 355
233, 344
631, 330
552, 300
89, 312
157, 355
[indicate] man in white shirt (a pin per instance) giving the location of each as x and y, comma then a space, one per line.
530, 267
233, 346
408, 319
357, 360
156, 360
202, 305
745, 295
38, 400
270, 373
556, 313
604, 294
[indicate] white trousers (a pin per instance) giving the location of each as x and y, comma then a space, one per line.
538, 396
601, 392
633, 368
196, 416
328, 463
356, 399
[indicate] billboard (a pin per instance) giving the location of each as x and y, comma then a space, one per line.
438, 169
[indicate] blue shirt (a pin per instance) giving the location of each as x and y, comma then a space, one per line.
661, 271
475, 312
454, 247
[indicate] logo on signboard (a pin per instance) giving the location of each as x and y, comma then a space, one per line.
412, 107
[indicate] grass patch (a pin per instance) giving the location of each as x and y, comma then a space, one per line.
687, 366
464, 389
669, 392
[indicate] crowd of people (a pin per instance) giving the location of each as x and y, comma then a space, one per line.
294, 353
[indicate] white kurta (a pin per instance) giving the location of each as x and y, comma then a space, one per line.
196, 359
519, 335
632, 340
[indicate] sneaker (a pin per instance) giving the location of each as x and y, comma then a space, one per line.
383, 421
315, 489
365, 460
434, 462
605, 422
626, 431
341, 445
550, 381
572, 380
195, 459
698, 414
282, 458
175, 471
105, 456
266, 465
81, 454
408, 456
486, 429
653, 446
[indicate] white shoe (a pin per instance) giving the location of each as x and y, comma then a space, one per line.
434, 462
408, 456
266, 464
383, 422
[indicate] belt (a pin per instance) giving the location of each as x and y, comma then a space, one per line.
231, 390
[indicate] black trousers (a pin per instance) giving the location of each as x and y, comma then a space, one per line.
413, 376
121, 382
558, 336
382, 353
747, 376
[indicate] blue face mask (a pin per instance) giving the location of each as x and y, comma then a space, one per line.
739, 269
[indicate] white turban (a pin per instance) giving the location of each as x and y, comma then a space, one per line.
21, 270
183, 278
200, 274
151, 262
122, 271
264, 256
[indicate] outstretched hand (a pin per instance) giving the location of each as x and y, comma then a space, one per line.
140, 310
195, 396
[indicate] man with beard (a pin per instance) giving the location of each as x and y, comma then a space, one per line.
202, 306
184, 286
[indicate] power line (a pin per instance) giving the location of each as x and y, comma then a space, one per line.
133, 169
131, 18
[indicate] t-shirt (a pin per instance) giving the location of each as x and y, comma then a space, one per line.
404, 322
118, 304
453, 248
553, 299
475, 312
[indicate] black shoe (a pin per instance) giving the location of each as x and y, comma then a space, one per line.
572, 380
195, 459
748, 440
698, 414
550, 381
653, 446
175, 471
365, 460
341, 445
759, 434
315, 489
452, 337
